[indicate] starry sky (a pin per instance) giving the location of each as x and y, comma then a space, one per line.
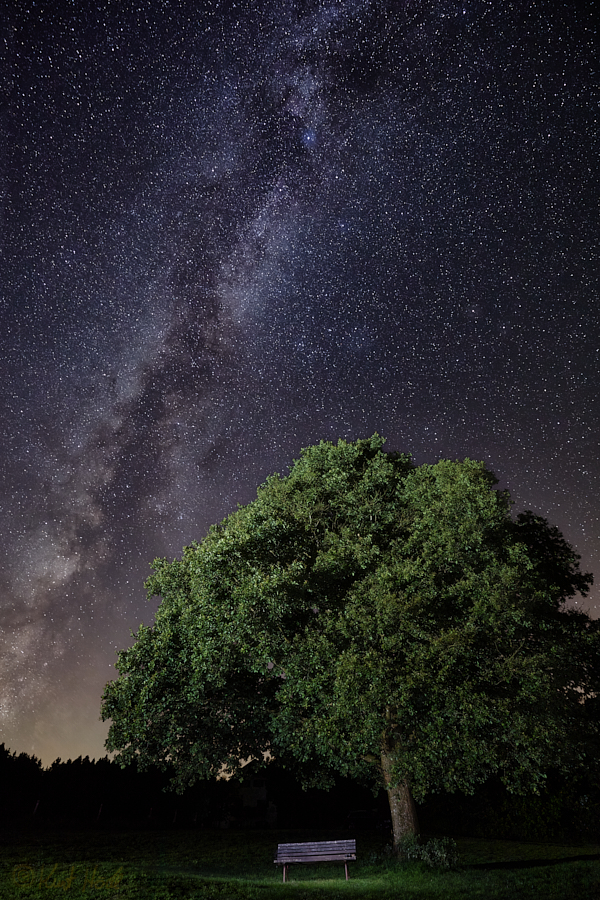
232, 229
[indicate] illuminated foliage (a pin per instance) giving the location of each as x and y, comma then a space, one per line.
370, 617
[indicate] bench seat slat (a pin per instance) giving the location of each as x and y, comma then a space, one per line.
302, 856
315, 859
309, 845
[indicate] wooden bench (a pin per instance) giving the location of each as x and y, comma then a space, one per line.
315, 851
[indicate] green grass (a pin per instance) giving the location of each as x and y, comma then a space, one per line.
228, 865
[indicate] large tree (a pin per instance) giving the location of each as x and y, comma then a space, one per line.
372, 618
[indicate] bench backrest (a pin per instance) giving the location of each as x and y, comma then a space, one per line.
316, 851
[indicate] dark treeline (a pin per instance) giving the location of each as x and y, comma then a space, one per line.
84, 793
99, 793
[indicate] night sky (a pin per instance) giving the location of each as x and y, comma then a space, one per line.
231, 229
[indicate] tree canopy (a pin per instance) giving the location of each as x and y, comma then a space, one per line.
369, 617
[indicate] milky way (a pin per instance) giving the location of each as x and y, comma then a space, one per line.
230, 230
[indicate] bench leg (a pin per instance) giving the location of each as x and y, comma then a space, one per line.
346, 868
284, 871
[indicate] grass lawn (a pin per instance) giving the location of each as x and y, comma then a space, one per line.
230, 865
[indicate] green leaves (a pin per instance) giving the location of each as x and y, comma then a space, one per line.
360, 603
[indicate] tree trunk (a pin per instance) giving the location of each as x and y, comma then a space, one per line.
402, 806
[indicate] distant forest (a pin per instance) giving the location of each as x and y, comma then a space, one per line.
84, 793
